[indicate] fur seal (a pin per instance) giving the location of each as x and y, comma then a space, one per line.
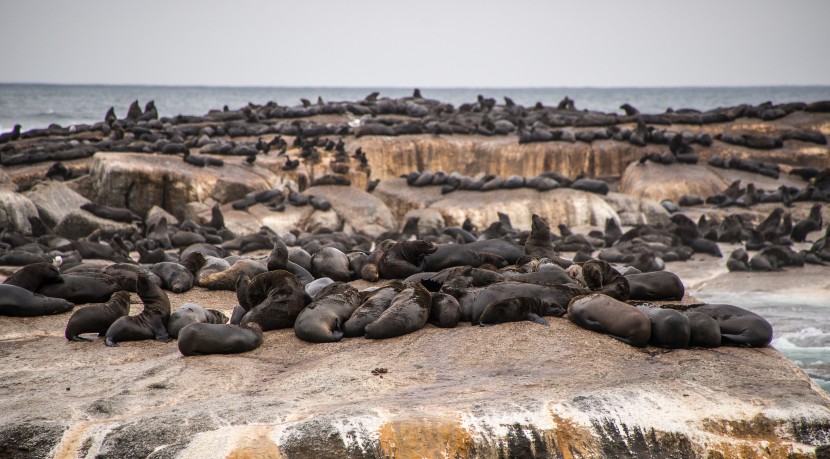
118, 214
514, 310
538, 243
445, 311
208, 338
18, 302
404, 259
190, 313
655, 286
226, 280
704, 330
150, 323
31, 277
408, 313
174, 277
738, 327
97, 318
669, 328
273, 300
91, 287
603, 314
330, 262
321, 321
313, 288
473, 301
371, 308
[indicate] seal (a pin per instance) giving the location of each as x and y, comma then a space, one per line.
226, 280
404, 259
332, 263
128, 275
704, 330
603, 314
669, 328
474, 300
174, 277
273, 299
655, 286
118, 214
445, 312
31, 277
538, 243
321, 321
207, 338
150, 323
738, 327
97, 318
371, 308
18, 302
514, 310
297, 262
408, 313
91, 287
191, 313
313, 288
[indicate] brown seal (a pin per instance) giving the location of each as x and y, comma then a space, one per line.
150, 323
207, 338
603, 314
97, 318
321, 321
408, 313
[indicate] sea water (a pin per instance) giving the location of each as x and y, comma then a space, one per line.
801, 322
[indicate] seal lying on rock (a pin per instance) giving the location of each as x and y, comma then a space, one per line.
655, 286
321, 321
514, 310
150, 323
738, 327
273, 300
97, 318
207, 338
190, 313
669, 328
603, 314
408, 313
375, 304
31, 277
18, 302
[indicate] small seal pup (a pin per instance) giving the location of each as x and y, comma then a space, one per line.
97, 318
408, 313
603, 314
150, 323
190, 313
321, 321
206, 338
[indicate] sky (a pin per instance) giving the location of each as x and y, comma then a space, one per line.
427, 43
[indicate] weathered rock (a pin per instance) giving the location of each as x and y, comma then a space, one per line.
55, 201
658, 181
80, 223
322, 219
569, 207
587, 395
15, 210
140, 181
429, 220
635, 211
156, 213
401, 198
363, 211
6, 182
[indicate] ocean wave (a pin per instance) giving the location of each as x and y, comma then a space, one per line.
806, 339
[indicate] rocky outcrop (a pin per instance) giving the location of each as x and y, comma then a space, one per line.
357, 208
139, 181
510, 390
570, 207
637, 211
658, 181
15, 210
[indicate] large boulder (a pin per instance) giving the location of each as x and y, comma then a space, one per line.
658, 181
636, 211
15, 210
402, 198
6, 182
361, 210
55, 201
138, 181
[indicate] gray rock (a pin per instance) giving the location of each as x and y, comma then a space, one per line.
15, 210
55, 201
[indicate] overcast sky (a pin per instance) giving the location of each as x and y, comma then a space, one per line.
425, 43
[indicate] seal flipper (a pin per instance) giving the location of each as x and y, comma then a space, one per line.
237, 315
110, 343
80, 339
539, 320
626, 341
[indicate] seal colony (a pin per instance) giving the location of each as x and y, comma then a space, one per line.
439, 275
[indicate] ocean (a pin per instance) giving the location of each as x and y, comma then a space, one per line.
801, 323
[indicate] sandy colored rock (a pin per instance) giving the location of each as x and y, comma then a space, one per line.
363, 211
55, 201
6, 182
156, 213
570, 207
429, 220
15, 210
401, 198
139, 181
636, 211
658, 181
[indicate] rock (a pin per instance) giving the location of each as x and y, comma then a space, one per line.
198, 212
562, 205
634, 211
139, 181
587, 395
55, 201
80, 223
658, 181
6, 182
429, 220
15, 210
401, 198
322, 219
363, 211
156, 213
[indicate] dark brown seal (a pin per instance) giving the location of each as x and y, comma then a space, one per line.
150, 323
97, 318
